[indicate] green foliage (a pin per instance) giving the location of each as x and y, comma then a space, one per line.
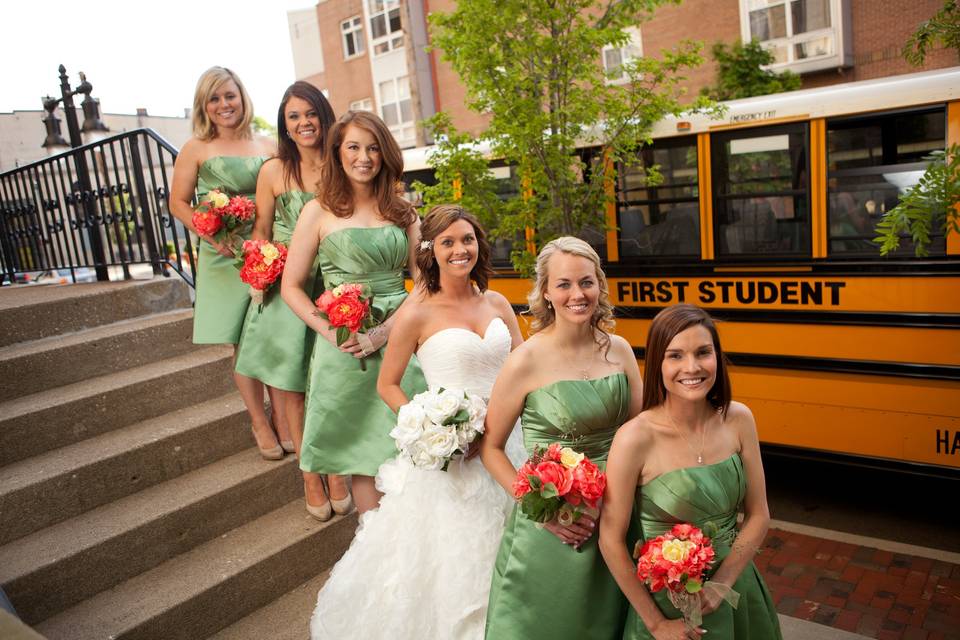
935, 196
535, 68
261, 126
943, 29
741, 73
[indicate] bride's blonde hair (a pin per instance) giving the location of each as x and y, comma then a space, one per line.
544, 314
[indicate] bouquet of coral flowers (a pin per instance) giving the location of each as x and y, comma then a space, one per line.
558, 482
349, 310
220, 216
676, 561
437, 425
261, 265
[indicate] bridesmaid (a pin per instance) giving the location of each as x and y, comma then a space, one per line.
365, 233
691, 456
275, 345
571, 382
223, 154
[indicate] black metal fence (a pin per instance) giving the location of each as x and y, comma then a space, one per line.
102, 206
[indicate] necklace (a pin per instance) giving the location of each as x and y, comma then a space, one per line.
583, 371
703, 434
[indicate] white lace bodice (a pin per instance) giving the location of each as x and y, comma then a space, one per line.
459, 358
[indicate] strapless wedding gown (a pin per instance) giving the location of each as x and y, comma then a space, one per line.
419, 566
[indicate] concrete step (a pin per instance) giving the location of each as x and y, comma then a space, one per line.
57, 567
38, 365
286, 618
44, 421
30, 313
52, 487
212, 586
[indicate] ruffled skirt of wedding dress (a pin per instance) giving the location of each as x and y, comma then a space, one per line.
420, 565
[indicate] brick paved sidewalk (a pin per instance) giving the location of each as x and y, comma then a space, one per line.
873, 592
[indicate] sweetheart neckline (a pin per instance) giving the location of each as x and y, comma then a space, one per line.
483, 337
735, 454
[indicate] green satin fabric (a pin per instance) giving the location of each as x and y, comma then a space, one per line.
275, 346
347, 425
543, 589
221, 298
709, 497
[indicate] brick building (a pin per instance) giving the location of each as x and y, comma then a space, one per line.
369, 54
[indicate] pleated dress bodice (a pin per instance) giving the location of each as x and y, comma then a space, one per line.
582, 600
275, 345
708, 497
221, 298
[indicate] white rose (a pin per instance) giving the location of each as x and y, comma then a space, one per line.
478, 412
410, 421
422, 458
440, 441
444, 405
465, 435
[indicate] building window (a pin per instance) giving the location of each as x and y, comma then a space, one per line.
396, 108
871, 161
802, 35
352, 31
661, 219
761, 201
615, 57
386, 33
362, 105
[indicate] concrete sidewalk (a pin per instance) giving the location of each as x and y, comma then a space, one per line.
797, 629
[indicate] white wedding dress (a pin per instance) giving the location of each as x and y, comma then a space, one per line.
420, 565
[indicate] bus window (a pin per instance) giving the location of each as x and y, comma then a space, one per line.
662, 219
761, 199
871, 160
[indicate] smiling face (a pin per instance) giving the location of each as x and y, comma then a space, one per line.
455, 249
572, 287
360, 155
303, 122
225, 106
689, 366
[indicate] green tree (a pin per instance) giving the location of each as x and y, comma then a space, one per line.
535, 68
261, 126
943, 29
741, 73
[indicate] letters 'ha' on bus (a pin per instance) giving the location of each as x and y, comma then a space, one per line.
766, 217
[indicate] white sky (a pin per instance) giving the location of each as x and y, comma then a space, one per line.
144, 54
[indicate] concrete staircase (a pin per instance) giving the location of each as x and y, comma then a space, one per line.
133, 501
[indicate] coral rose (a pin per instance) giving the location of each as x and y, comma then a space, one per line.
521, 485
556, 473
207, 222
590, 482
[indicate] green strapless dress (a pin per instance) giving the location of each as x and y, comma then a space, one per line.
275, 345
709, 497
221, 298
346, 424
541, 587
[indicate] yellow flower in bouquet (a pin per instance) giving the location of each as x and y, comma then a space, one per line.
570, 458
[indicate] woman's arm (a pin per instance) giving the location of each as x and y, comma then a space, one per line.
624, 464
266, 201
413, 247
184, 185
625, 353
400, 348
756, 518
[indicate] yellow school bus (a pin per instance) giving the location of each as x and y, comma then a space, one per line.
765, 217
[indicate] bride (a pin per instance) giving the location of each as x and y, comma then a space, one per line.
420, 565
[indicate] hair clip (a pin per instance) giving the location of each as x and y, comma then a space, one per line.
426, 244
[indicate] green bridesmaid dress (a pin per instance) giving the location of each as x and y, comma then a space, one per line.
221, 298
708, 497
346, 424
275, 345
542, 588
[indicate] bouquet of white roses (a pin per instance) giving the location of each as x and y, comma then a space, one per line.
437, 425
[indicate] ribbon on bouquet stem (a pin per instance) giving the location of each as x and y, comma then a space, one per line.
689, 604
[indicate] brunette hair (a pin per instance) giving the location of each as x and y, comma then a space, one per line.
544, 314
665, 327
287, 150
437, 220
211, 80
336, 193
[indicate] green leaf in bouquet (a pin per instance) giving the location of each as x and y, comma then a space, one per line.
460, 416
693, 586
534, 482
343, 334
549, 490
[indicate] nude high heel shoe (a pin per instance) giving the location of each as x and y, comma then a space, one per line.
340, 507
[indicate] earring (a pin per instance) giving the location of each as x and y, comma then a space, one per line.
549, 305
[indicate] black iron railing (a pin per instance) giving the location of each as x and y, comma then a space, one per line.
102, 206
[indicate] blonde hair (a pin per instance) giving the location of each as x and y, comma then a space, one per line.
544, 314
211, 80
